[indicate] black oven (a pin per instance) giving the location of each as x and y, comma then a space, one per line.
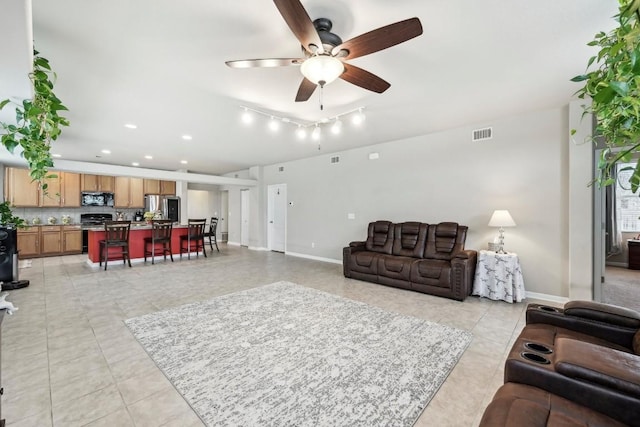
92, 220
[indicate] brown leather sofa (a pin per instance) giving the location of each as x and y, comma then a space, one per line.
428, 258
586, 353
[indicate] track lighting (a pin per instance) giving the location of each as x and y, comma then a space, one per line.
315, 134
247, 117
358, 118
301, 133
274, 125
336, 128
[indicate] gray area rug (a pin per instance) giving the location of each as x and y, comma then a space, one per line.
287, 355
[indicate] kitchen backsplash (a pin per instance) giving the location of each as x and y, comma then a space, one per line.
28, 214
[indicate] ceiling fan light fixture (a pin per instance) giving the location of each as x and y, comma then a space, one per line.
322, 69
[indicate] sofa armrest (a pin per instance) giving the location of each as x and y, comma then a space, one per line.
463, 267
358, 245
605, 313
595, 364
467, 254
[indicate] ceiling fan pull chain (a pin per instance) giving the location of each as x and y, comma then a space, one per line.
321, 93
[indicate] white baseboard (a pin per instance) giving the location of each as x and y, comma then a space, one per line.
258, 248
618, 264
316, 258
547, 297
233, 243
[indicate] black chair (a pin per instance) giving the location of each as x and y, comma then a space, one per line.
116, 235
194, 238
160, 235
211, 234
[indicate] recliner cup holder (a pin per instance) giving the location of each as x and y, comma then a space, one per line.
549, 308
539, 348
536, 358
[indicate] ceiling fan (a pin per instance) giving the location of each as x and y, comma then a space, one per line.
325, 53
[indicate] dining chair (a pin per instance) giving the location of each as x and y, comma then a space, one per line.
116, 236
194, 239
160, 235
211, 234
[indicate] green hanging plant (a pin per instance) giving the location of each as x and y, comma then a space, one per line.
38, 122
614, 88
7, 216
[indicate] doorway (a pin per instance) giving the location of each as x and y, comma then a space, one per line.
244, 218
223, 223
277, 217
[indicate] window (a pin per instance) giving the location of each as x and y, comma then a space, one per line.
627, 203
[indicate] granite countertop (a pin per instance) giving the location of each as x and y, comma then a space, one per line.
134, 226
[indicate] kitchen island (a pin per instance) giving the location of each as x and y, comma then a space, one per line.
136, 243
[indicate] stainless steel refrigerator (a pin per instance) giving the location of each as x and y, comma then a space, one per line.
169, 206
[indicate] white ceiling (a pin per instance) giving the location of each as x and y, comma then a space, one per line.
160, 64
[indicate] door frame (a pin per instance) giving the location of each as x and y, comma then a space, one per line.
244, 214
271, 189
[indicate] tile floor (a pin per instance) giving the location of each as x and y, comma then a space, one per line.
68, 360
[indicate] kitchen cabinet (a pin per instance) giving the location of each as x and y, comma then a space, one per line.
71, 239
158, 186
19, 189
62, 191
50, 240
29, 242
103, 183
129, 192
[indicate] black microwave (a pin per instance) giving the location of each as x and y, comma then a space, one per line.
96, 199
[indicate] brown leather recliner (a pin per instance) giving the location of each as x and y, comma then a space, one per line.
586, 352
412, 255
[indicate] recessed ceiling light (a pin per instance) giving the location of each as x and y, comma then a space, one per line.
148, 157
105, 151
187, 137
135, 164
130, 126
56, 155
184, 162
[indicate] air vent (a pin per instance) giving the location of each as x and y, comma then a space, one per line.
482, 134
281, 169
335, 159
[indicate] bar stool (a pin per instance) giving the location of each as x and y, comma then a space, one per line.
211, 234
160, 235
194, 238
116, 235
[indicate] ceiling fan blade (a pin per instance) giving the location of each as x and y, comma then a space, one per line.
306, 89
379, 39
364, 79
300, 24
262, 63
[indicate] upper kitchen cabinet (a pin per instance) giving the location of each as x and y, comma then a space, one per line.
102, 183
62, 191
19, 189
129, 192
157, 186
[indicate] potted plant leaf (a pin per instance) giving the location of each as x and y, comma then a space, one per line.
614, 88
37, 123
7, 216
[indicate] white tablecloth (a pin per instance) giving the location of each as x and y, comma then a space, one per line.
499, 277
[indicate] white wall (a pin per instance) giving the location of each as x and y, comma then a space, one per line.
202, 204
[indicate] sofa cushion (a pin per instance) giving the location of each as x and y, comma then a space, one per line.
409, 239
380, 237
432, 272
395, 267
444, 240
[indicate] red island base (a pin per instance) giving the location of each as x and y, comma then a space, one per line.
136, 244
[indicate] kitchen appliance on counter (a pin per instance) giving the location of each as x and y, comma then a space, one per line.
138, 216
168, 206
90, 220
96, 199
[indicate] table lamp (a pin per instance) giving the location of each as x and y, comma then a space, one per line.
501, 218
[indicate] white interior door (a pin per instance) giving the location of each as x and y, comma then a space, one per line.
277, 217
244, 217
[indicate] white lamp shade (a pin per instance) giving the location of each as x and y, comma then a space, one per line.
323, 68
501, 218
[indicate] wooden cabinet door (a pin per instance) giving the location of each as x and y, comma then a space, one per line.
136, 192
21, 191
50, 242
151, 186
106, 183
122, 190
70, 190
88, 182
28, 242
71, 239
53, 196
168, 188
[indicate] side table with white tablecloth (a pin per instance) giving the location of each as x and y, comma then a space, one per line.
499, 277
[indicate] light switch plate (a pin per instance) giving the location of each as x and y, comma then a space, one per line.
351, 216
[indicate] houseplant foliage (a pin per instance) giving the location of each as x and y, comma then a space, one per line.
614, 88
7, 216
38, 122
